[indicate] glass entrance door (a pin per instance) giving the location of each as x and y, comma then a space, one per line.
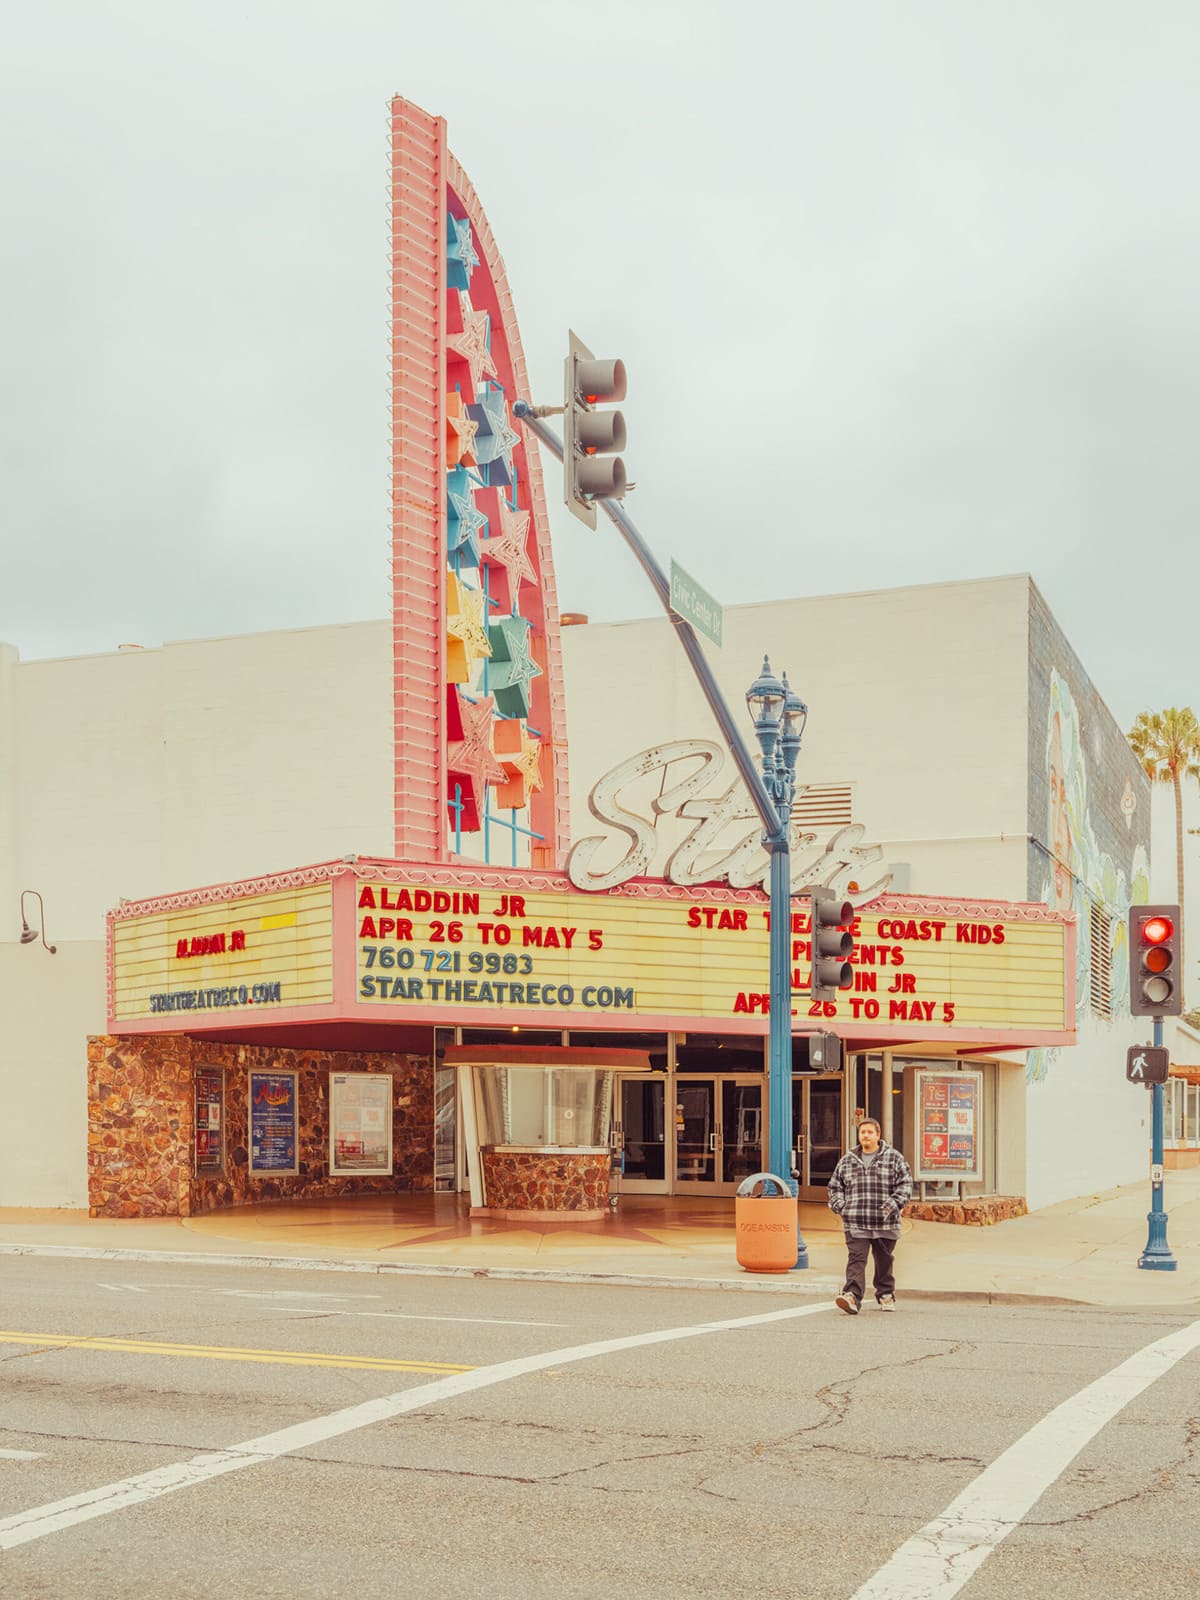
641, 1131
718, 1133
817, 1130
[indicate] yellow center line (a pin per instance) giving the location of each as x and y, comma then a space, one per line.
216, 1352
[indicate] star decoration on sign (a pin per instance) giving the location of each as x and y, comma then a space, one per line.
494, 437
521, 758
471, 762
460, 433
471, 343
461, 259
513, 668
510, 549
466, 631
464, 520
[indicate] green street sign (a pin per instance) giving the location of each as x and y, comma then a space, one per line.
695, 605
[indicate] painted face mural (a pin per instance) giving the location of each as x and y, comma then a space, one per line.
1081, 877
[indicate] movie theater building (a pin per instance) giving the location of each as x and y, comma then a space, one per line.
369, 930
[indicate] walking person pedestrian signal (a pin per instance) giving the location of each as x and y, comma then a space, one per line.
1147, 1064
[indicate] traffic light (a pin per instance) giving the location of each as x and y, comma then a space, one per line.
1155, 986
832, 944
591, 468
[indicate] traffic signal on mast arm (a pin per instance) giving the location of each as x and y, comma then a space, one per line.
592, 470
1155, 979
832, 944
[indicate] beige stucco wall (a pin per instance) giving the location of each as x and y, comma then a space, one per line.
48, 1006
916, 696
142, 772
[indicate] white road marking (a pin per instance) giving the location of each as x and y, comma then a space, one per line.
21, 1455
39, 1521
411, 1316
237, 1294
947, 1552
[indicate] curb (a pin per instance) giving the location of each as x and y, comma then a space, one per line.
783, 1283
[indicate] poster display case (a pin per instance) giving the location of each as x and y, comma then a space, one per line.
273, 1116
360, 1124
208, 1121
948, 1143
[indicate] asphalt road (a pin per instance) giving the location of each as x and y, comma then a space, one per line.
194, 1431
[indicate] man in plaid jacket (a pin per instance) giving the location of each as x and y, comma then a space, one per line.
869, 1189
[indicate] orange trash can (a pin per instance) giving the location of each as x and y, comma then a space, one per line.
766, 1226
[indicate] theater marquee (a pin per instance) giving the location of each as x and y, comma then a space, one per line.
370, 943
939, 967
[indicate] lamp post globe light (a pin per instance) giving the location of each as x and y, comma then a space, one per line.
779, 715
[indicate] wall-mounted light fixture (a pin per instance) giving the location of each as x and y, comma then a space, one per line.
28, 936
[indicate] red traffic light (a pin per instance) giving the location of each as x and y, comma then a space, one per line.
1154, 936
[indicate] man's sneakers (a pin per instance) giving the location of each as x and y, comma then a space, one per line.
848, 1304
887, 1302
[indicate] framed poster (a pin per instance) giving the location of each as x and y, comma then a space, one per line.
208, 1121
272, 1110
360, 1124
948, 1132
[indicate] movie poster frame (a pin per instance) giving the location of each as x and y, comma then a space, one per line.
944, 1171
260, 1171
337, 1169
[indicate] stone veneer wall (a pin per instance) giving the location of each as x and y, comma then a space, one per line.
520, 1180
140, 1125
979, 1213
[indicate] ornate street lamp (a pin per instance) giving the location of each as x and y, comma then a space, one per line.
779, 716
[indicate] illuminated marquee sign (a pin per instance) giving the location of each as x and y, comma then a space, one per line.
456, 953
256, 952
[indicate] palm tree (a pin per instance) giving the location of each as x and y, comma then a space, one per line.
1167, 743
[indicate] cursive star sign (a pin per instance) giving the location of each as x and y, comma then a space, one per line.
513, 668
471, 342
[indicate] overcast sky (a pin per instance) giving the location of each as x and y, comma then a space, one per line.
907, 292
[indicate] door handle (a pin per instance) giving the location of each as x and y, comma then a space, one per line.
712, 1142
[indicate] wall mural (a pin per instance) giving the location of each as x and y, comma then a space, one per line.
1078, 872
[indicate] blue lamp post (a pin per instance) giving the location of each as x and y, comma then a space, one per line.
779, 716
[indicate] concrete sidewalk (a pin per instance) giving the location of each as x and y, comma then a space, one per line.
1082, 1250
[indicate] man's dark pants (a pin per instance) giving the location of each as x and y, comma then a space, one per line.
882, 1252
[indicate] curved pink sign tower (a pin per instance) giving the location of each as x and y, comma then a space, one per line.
479, 715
